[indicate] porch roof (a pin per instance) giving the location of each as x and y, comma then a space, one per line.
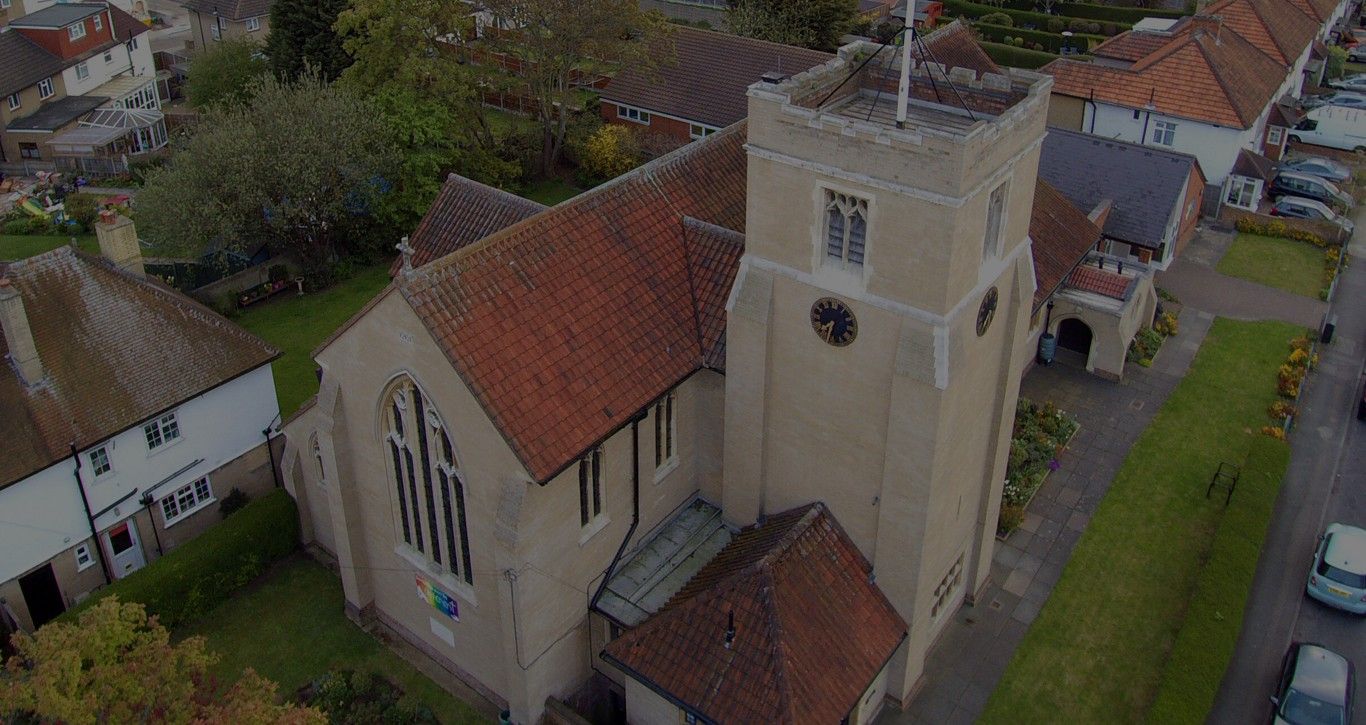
120, 87
84, 139
54, 115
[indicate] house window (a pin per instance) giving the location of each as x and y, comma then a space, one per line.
1164, 132
631, 113
77, 31
1136, 114
99, 461
4, 4
1273, 135
846, 229
99, 23
161, 431
253, 24
697, 130
28, 150
45, 88
948, 586
590, 487
426, 478
318, 458
82, 71
186, 500
132, 44
84, 559
108, 57
1242, 192
996, 209
14, 101
215, 31
665, 440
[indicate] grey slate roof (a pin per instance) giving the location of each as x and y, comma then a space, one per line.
23, 63
52, 116
1144, 183
230, 9
58, 16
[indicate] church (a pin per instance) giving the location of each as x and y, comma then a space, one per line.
727, 433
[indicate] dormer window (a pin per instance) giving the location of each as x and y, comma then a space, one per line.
77, 31
846, 229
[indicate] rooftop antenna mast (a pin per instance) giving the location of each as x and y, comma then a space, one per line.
903, 91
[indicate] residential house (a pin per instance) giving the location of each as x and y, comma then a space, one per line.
129, 412
1208, 86
621, 417
60, 64
1153, 194
212, 21
15, 9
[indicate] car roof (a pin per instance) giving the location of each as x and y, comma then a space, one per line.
1301, 201
1347, 550
1321, 673
1300, 175
1316, 159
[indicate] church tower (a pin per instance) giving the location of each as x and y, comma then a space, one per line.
876, 330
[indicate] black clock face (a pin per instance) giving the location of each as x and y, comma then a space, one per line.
986, 312
833, 321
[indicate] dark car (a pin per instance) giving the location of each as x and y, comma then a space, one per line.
1319, 166
1299, 208
1290, 183
1315, 688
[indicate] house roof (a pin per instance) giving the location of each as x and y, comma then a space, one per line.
954, 46
1254, 166
810, 629
1319, 10
464, 212
1100, 281
1061, 235
24, 63
1144, 183
229, 9
1132, 46
708, 76
1275, 27
54, 114
58, 16
115, 351
1225, 81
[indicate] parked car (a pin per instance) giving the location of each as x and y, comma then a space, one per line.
1350, 83
1319, 166
1356, 52
1316, 687
1338, 127
1290, 183
1294, 207
1348, 99
1338, 578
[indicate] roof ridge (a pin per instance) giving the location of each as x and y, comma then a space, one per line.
1217, 70
786, 703
1096, 138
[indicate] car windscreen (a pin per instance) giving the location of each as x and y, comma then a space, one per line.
1302, 709
1342, 576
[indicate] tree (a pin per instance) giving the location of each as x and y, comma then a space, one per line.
815, 24
302, 166
302, 36
116, 665
553, 44
224, 71
610, 151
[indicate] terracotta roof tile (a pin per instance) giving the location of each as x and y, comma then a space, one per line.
1254, 166
713, 259
811, 631
954, 46
1132, 46
464, 212
115, 351
1275, 27
1061, 235
1100, 281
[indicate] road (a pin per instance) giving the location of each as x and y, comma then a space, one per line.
1326, 482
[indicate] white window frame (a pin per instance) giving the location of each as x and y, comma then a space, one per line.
82, 71
847, 207
592, 509
666, 434
253, 24
4, 4
996, 221
108, 56
75, 32
132, 44
45, 89
99, 23
15, 101
215, 31
633, 114
186, 500
161, 432
85, 556
1164, 133
1238, 186
99, 458
700, 130
1274, 135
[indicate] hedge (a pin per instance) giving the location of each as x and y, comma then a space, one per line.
1052, 42
196, 576
1092, 11
1009, 55
1020, 17
1204, 644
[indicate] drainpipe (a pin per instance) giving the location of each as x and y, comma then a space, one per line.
89, 517
270, 451
146, 502
635, 504
1091, 99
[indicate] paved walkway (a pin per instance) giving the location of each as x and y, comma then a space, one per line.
1194, 281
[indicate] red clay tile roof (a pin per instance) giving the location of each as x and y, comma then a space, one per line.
1100, 281
115, 350
566, 324
1276, 27
1061, 236
1226, 81
954, 46
463, 213
1254, 166
1319, 10
1132, 46
713, 259
811, 630
708, 77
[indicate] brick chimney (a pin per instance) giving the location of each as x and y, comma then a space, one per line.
1207, 24
18, 335
119, 241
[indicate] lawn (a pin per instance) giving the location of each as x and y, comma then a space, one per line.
1283, 263
290, 628
21, 246
296, 325
551, 191
1099, 648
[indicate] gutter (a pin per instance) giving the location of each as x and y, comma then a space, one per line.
655, 688
89, 517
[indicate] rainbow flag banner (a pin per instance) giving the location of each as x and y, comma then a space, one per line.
439, 600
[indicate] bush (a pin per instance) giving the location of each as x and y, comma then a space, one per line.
15, 227
187, 581
1009, 55
1147, 341
233, 502
997, 19
609, 152
1022, 16
83, 208
1056, 25
349, 698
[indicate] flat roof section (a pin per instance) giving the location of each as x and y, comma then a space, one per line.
58, 16
54, 115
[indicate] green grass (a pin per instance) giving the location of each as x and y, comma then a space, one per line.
550, 191
296, 325
289, 627
22, 246
1282, 263
1210, 633
1098, 650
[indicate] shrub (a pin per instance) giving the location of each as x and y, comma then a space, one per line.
16, 226
1010, 519
1056, 25
1038, 437
1016, 57
233, 502
610, 151
187, 581
349, 697
1166, 325
82, 208
1077, 25
997, 19
1280, 410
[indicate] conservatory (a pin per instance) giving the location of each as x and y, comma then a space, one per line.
108, 139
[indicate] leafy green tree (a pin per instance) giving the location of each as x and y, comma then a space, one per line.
116, 665
302, 36
224, 71
815, 24
303, 166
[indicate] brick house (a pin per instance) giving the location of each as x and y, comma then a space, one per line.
212, 21
14, 9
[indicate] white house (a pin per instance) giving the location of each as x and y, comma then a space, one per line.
130, 411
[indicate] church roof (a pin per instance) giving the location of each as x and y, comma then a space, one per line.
464, 212
1061, 236
784, 625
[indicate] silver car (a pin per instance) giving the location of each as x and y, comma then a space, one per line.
1320, 167
1316, 687
1295, 207
1338, 577
1349, 99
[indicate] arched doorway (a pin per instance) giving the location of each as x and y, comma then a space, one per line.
1074, 341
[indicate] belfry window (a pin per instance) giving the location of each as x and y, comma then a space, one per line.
424, 475
846, 229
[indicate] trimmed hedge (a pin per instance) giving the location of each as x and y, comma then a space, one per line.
197, 575
974, 10
1052, 42
1204, 644
1113, 13
1009, 55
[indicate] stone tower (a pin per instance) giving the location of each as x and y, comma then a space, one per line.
876, 330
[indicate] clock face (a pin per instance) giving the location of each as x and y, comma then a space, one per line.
833, 321
986, 312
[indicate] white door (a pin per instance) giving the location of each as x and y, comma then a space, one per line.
125, 550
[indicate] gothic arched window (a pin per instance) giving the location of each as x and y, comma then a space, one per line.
425, 476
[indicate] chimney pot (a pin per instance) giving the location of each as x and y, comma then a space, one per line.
773, 77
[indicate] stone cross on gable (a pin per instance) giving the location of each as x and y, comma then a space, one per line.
406, 250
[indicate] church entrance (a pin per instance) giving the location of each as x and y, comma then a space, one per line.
1074, 341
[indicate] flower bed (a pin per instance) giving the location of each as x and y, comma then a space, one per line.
1041, 433
1289, 381
1148, 340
